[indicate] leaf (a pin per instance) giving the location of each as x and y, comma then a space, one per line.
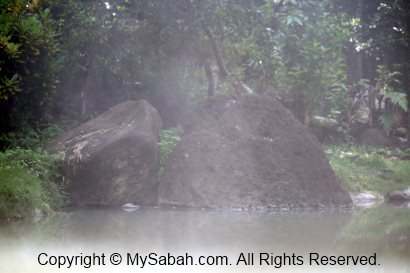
387, 121
298, 20
398, 98
289, 20
292, 2
14, 78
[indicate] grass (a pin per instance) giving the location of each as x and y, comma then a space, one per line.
28, 174
27, 182
20, 192
370, 169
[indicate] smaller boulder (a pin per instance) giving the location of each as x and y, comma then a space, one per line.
129, 207
403, 195
365, 199
375, 137
112, 159
400, 132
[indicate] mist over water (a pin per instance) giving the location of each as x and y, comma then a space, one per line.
196, 232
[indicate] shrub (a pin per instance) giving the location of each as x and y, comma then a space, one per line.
29, 137
28, 181
20, 192
168, 139
370, 169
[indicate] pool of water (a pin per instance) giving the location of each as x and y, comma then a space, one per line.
277, 241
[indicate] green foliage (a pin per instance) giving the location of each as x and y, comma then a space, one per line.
28, 137
20, 192
163, 45
40, 163
28, 60
28, 181
387, 120
386, 82
380, 25
313, 60
29, 176
398, 99
168, 140
370, 169
295, 46
9, 87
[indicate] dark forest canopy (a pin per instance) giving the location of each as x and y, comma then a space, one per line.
66, 61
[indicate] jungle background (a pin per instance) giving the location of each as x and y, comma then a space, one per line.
341, 66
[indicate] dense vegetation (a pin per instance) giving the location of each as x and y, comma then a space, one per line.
72, 59
168, 139
28, 181
63, 62
377, 170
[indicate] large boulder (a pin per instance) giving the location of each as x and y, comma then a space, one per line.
256, 155
112, 159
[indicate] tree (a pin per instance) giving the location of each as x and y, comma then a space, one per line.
379, 46
28, 63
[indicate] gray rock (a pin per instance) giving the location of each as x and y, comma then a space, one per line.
112, 159
401, 204
400, 132
403, 195
38, 215
375, 137
273, 160
365, 200
129, 207
325, 122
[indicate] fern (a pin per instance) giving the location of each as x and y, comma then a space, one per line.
169, 138
387, 121
398, 98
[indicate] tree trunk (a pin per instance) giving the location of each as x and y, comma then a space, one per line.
219, 60
240, 87
406, 68
210, 78
354, 59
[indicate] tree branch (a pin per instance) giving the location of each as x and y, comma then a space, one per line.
234, 79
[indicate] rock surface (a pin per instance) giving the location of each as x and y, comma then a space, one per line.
375, 137
403, 195
112, 159
256, 154
366, 199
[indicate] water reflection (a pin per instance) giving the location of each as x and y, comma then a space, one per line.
383, 230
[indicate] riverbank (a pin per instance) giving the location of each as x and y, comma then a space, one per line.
29, 183
377, 170
30, 179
